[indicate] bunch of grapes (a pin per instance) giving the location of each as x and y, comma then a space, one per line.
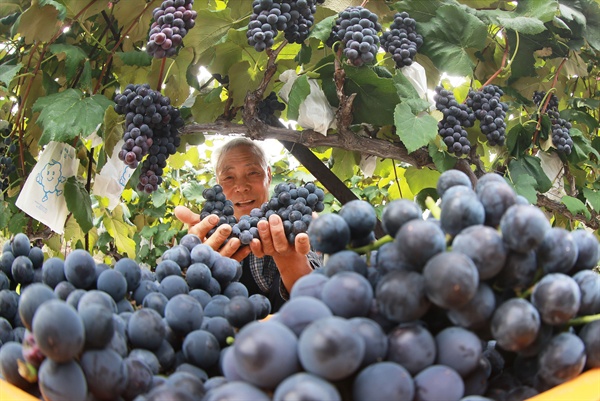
402, 40
294, 204
8, 150
490, 111
357, 28
151, 128
293, 17
561, 138
268, 107
172, 21
457, 116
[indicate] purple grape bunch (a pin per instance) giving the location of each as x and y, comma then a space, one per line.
172, 21
151, 128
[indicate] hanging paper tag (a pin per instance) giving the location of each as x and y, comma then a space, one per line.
113, 177
42, 196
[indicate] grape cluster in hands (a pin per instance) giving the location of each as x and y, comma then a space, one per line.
561, 138
8, 151
456, 117
294, 204
357, 29
151, 128
491, 113
402, 40
269, 17
172, 21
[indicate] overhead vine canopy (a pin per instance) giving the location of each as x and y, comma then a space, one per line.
365, 107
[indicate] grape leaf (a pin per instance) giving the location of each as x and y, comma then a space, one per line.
74, 55
74, 7
593, 197
192, 191
178, 160
420, 178
68, 114
300, 90
208, 106
212, 28
530, 166
112, 130
127, 13
138, 58
525, 186
121, 232
79, 203
243, 78
575, 206
448, 37
38, 23
322, 29
8, 72
415, 131
375, 97
62, 11
344, 163
176, 85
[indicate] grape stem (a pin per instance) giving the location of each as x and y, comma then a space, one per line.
161, 73
504, 56
581, 320
373, 246
435, 210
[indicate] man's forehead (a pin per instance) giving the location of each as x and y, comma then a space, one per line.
230, 166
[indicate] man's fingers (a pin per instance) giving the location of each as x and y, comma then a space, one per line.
186, 216
256, 248
302, 244
218, 238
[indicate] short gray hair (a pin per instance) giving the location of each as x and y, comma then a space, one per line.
238, 142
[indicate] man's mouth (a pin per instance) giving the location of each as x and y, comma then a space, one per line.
244, 203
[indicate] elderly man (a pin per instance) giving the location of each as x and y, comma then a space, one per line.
271, 265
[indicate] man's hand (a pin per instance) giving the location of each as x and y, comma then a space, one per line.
216, 241
274, 242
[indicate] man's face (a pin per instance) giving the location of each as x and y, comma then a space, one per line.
244, 181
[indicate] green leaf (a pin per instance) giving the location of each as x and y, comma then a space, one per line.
66, 115
420, 178
525, 186
442, 160
62, 11
593, 197
8, 72
531, 166
208, 106
122, 233
421, 11
112, 130
344, 163
148, 232
414, 131
176, 85
244, 79
299, 92
18, 222
178, 160
322, 29
192, 191
448, 38
74, 55
408, 94
522, 24
575, 206
159, 198
38, 23
214, 27
375, 97
137, 58
519, 138
79, 203
582, 147
304, 55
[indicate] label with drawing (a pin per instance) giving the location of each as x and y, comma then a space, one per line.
42, 196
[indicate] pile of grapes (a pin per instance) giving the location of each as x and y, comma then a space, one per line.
172, 21
8, 151
482, 299
294, 204
402, 40
269, 17
151, 128
561, 138
483, 105
357, 29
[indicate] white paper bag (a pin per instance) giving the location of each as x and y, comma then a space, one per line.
113, 178
315, 112
415, 73
42, 196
